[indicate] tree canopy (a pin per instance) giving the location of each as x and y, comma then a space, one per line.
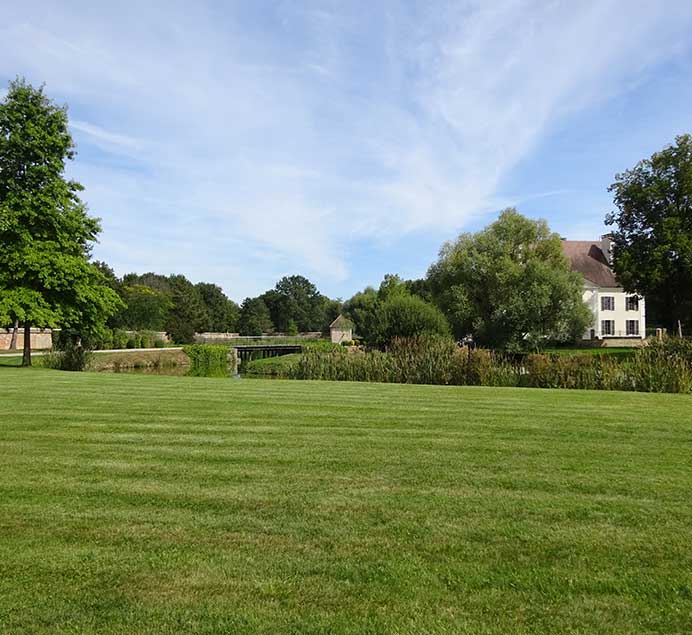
393, 311
509, 284
296, 301
46, 235
222, 313
254, 318
652, 239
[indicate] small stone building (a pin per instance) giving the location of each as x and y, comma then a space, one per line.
341, 330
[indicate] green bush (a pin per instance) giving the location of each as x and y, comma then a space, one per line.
71, 357
119, 338
147, 339
406, 316
159, 343
207, 360
131, 342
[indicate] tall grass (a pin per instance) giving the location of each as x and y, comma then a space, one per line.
664, 366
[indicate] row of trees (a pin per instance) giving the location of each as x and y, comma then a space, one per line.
175, 305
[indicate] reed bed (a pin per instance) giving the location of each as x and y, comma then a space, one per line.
664, 366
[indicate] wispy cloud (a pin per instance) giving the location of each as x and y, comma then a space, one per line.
278, 136
111, 141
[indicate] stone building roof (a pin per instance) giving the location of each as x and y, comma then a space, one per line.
341, 323
588, 258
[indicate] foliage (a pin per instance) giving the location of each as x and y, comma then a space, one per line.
509, 285
207, 360
392, 311
46, 278
119, 338
145, 308
296, 299
254, 317
222, 313
403, 315
270, 366
360, 309
657, 367
72, 356
652, 242
188, 314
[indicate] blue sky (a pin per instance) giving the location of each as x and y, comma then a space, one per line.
236, 142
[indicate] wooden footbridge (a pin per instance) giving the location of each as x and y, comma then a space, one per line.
248, 352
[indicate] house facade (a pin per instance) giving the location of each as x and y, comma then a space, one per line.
619, 317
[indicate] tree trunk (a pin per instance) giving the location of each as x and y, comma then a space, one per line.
15, 330
26, 356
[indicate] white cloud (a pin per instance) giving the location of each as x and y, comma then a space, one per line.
111, 141
280, 137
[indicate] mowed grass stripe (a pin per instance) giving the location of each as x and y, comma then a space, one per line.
165, 505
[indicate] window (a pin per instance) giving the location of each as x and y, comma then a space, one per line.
632, 327
632, 303
607, 303
607, 327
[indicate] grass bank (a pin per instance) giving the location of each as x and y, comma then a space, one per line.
271, 366
148, 504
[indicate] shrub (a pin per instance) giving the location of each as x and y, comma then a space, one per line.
207, 360
131, 342
159, 343
119, 338
147, 339
406, 316
71, 357
106, 340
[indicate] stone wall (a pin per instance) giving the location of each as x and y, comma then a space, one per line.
40, 339
211, 338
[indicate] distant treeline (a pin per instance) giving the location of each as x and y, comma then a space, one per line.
155, 302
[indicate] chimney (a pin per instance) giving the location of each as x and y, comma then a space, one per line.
607, 247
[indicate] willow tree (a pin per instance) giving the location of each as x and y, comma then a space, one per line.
46, 234
510, 285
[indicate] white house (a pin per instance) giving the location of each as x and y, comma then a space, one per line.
619, 317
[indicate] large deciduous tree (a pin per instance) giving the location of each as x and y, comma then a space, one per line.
652, 241
46, 235
145, 308
509, 284
188, 314
296, 299
254, 318
221, 311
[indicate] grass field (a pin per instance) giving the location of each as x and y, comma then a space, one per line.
146, 504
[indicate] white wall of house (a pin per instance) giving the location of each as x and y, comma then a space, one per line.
617, 317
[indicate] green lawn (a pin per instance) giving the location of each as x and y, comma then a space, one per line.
10, 360
142, 504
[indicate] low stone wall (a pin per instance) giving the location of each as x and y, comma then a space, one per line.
211, 338
40, 339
